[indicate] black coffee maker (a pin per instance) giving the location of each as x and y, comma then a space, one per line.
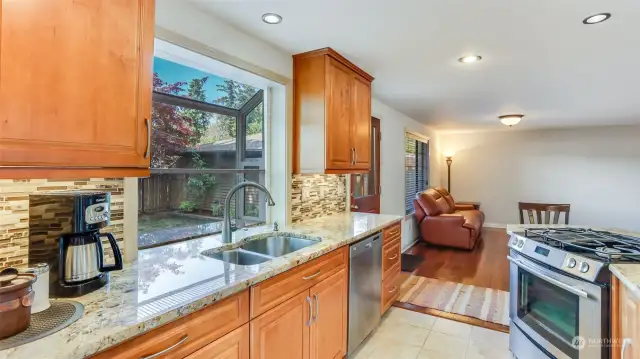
64, 232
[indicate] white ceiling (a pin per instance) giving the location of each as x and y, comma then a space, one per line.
538, 57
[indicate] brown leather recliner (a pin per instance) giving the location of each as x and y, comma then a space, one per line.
443, 222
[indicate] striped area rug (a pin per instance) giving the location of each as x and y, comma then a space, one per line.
487, 304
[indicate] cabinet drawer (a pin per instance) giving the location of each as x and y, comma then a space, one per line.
187, 334
278, 289
391, 258
234, 345
392, 232
390, 290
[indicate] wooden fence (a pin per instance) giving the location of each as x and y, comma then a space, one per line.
165, 192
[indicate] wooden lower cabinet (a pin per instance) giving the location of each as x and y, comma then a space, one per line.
186, 335
312, 325
625, 322
234, 345
283, 332
329, 327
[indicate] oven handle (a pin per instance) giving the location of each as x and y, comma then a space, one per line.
576, 291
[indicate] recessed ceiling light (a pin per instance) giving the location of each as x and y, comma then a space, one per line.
271, 18
510, 120
470, 59
597, 18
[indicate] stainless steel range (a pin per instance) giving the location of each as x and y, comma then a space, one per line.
560, 290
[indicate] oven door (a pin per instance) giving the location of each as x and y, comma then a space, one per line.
560, 314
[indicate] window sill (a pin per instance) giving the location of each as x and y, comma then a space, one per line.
167, 236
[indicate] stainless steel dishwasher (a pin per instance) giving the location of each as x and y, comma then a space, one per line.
365, 276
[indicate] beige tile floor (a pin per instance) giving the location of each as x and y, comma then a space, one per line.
404, 334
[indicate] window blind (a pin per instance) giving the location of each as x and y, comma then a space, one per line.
416, 170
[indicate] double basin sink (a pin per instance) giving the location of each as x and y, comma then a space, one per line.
262, 250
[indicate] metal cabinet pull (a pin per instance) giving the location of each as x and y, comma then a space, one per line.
393, 289
311, 276
355, 156
625, 344
394, 257
165, 351
147, 152
315, 317
310, 312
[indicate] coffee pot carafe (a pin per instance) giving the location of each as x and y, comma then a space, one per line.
82, 264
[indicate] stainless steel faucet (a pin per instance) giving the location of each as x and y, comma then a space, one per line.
226, 222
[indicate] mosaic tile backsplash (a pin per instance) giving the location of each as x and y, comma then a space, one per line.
317, 195
14, 211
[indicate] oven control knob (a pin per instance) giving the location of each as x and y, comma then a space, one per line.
584, 267
514, 241
520, 243
571, 263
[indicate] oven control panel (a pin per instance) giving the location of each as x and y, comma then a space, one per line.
555, 257
582, 267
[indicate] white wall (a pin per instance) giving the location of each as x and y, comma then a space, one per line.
185, 25
188, 20
393, 125
596, 170
191, 22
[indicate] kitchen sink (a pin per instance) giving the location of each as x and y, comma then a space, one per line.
277, 246
239, 256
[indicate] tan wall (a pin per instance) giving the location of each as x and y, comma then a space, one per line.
14, 211
326, 196
595, 169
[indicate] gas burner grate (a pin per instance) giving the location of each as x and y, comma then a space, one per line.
606, 245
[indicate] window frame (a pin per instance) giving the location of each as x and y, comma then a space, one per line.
425, 164
243, 164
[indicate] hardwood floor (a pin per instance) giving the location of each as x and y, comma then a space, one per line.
486, 266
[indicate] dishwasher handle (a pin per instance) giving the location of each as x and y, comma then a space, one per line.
365, 245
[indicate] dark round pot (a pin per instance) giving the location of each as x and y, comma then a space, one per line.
16, 298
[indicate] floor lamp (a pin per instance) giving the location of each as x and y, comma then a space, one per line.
449, 161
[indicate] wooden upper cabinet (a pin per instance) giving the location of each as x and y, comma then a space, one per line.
332, 114
361, 123
339, 109
75, 82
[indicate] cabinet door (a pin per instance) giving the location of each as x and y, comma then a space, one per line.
76, 81
629, 323
338, 116
283, 331
329, 327
361, 123
234, 345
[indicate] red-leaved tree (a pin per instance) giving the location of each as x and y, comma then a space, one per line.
172, 129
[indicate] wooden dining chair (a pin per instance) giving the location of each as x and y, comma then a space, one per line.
547, 208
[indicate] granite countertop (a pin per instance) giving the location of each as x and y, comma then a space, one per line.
629, 274
171, 281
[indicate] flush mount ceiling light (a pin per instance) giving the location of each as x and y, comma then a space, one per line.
510, 120
470, 59
596, 19
271, 18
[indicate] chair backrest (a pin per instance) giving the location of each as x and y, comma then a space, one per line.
548, 208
